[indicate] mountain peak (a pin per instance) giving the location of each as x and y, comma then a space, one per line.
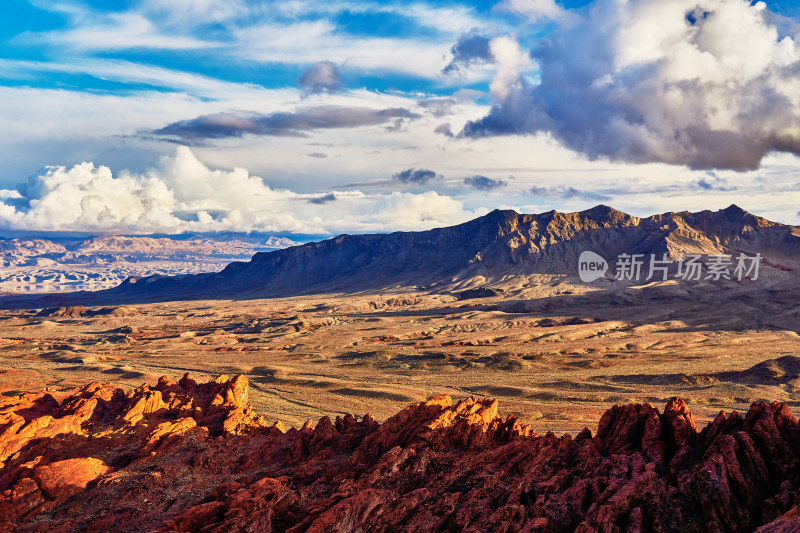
605, 213
733, 211
501, 214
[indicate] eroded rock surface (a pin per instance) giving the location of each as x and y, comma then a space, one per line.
183, 456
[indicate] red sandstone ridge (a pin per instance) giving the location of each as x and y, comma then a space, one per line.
194, 457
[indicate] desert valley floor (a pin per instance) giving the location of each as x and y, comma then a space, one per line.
558, 361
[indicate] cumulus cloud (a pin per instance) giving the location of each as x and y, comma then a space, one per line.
183, 194
482, 183
708, 84
322, 77
567, 193
283, 124
89, 197
416, 176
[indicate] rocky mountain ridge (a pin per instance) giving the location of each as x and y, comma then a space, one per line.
500, 248
188, 456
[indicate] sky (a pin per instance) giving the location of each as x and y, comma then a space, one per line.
347, 116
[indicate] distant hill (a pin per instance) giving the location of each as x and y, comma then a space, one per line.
30, 264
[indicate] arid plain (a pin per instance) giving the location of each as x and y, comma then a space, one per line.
554, 354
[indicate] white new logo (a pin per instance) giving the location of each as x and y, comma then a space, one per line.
591, 267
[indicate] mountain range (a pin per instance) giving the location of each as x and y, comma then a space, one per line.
502, 249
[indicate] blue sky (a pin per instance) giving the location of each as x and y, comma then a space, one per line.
322, 117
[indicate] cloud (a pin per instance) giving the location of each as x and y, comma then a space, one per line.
533, 10
89, 197
438, 107
482, 183
195, 12
116, 31
310, 41
322, 77
712, 182
416, 176
283, 124
653, 81
470, 49
324, 199
444, 129
7, 194
298, 32
512, 62
318, 155
567, 193
182, 194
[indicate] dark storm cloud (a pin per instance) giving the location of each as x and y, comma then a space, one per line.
471, 48
415, 176
296, 124
686, 95
482, 183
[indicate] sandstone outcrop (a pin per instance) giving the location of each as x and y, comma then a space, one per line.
188, 456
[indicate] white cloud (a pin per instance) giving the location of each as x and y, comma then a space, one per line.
454, 19
7, 194
194, 12
320, 40
534, 10
135, 73
511, 63
119, 31
295, 32
183, 194
90, 198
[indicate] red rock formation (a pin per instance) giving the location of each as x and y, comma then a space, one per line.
194, 457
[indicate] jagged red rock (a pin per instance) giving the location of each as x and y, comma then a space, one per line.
194, 457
